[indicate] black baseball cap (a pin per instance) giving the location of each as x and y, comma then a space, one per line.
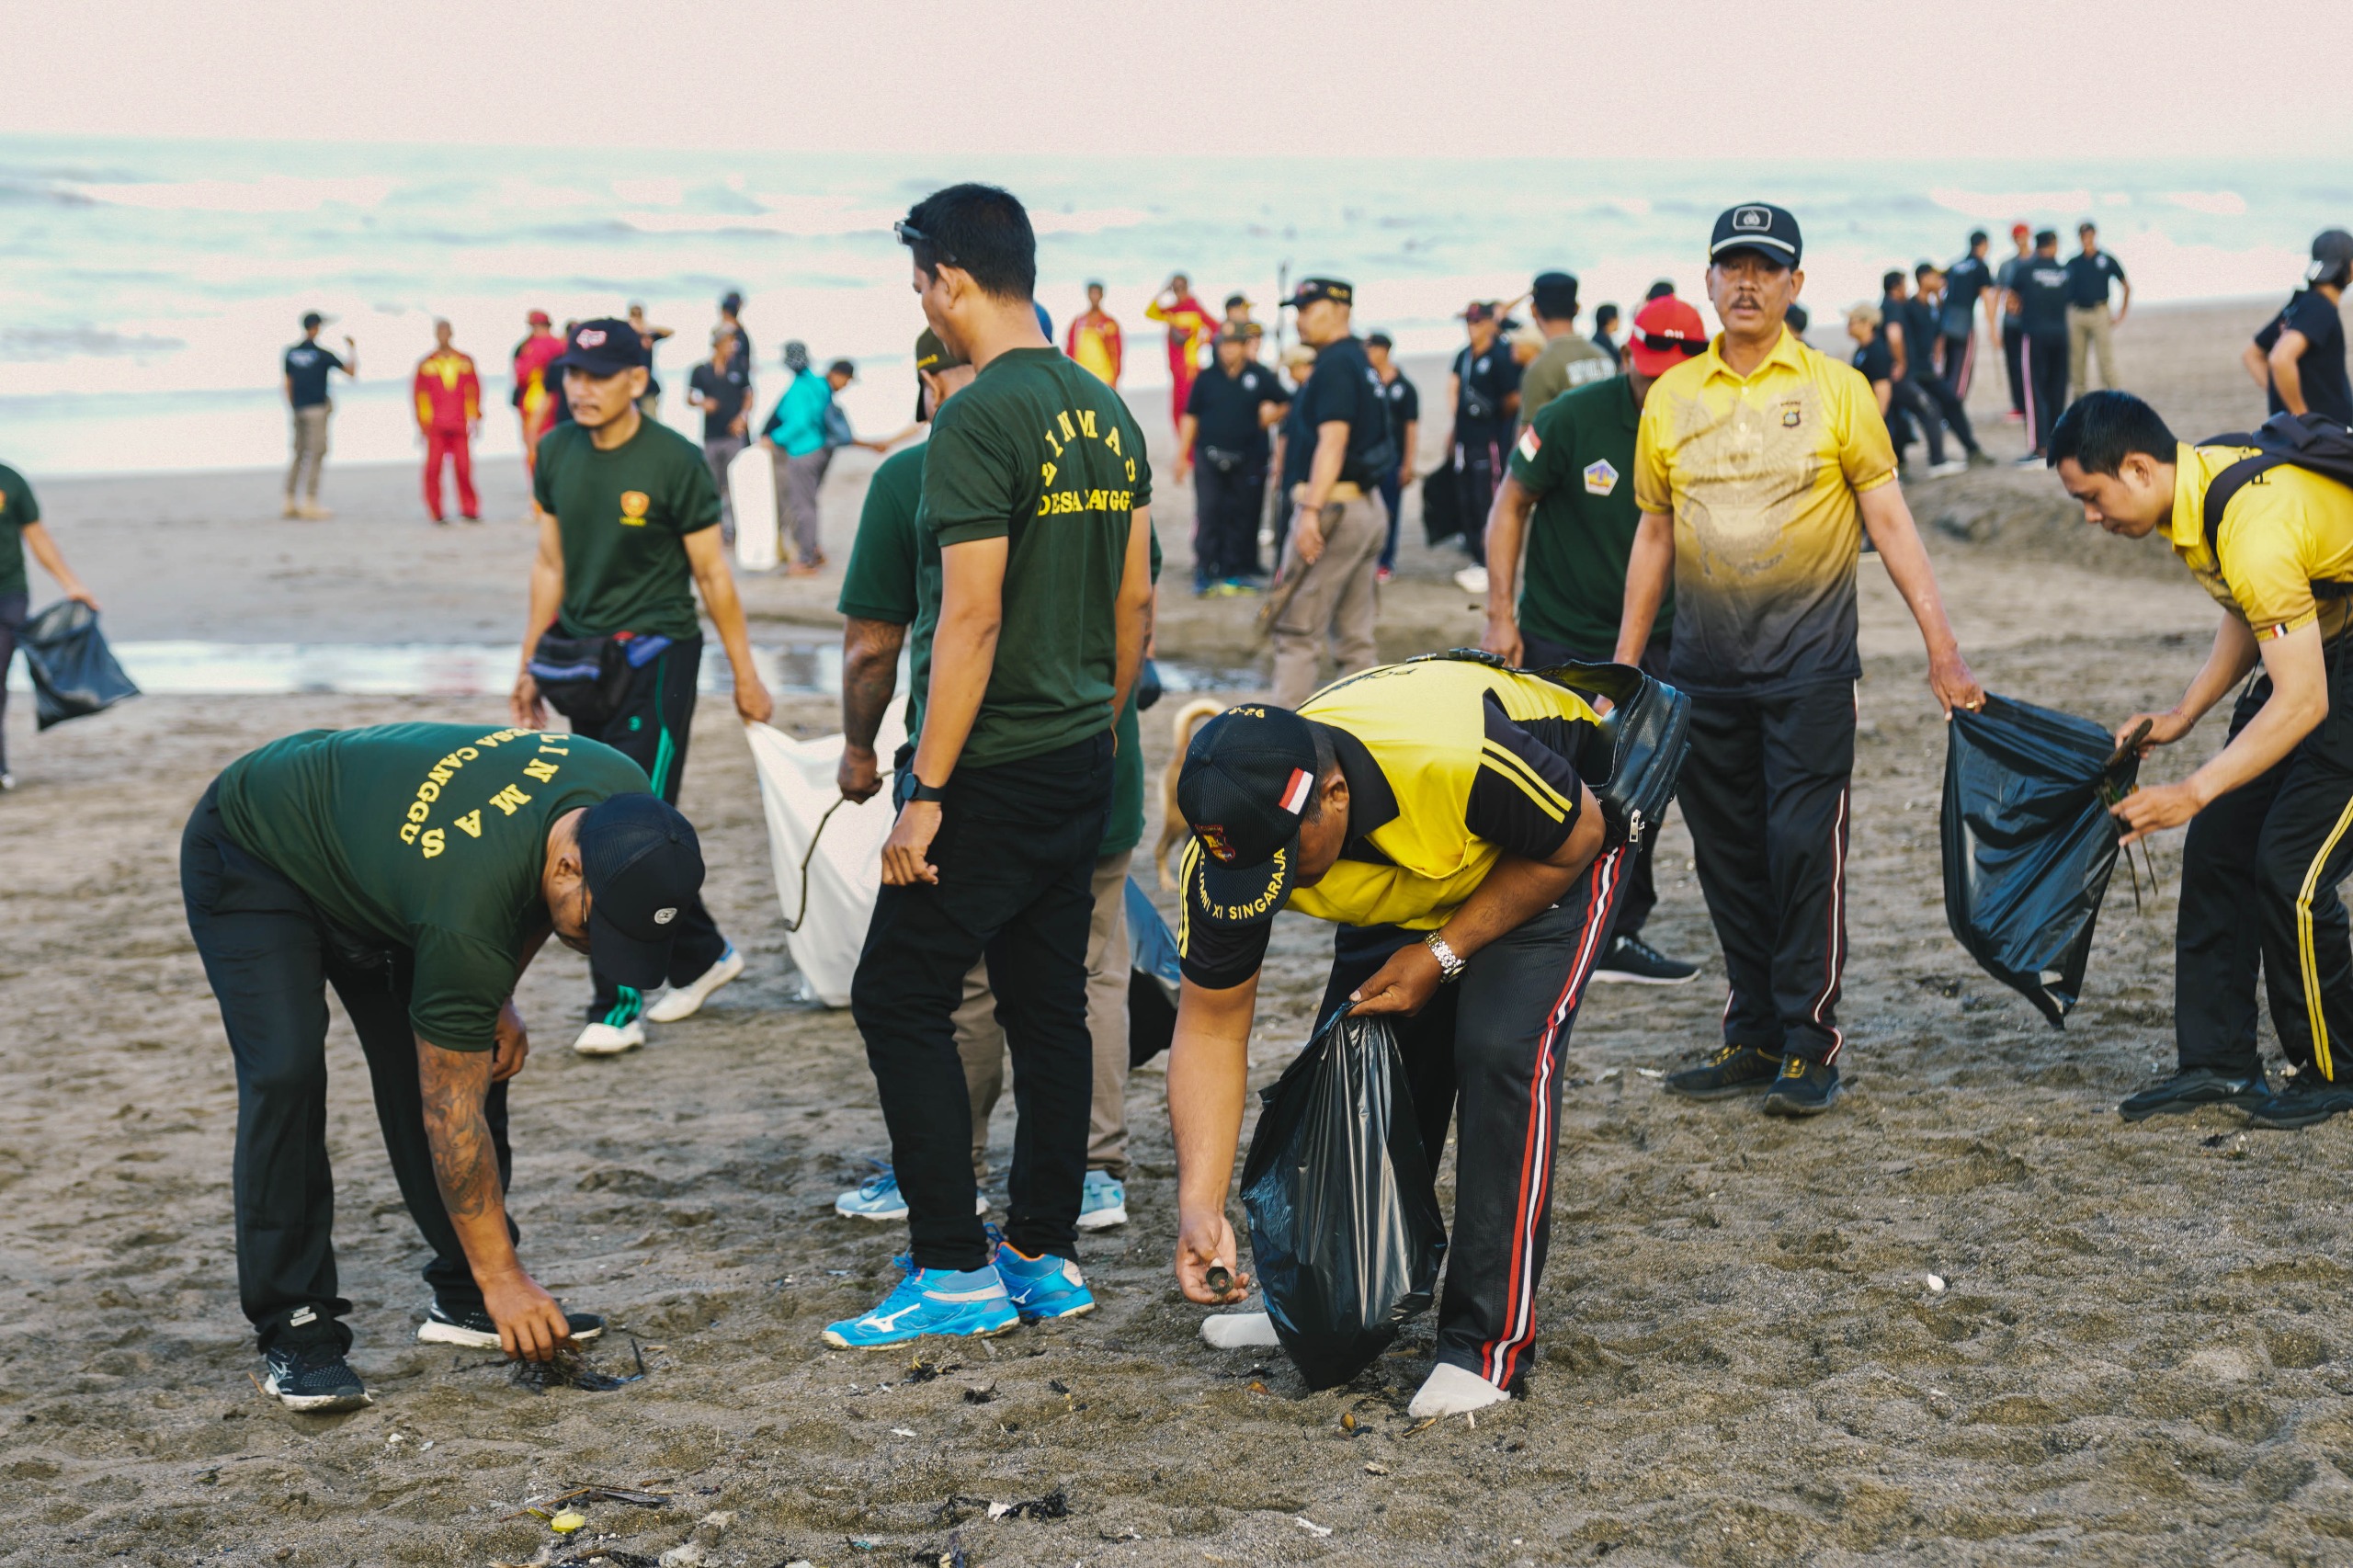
311, 319
1245, 784
644, 866
1310, 289
931, 355
1758, 226
2332, 256
602, 347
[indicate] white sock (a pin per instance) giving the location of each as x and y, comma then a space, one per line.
1239, 1331
1450, 1390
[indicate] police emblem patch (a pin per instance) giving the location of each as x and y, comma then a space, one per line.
1600, 479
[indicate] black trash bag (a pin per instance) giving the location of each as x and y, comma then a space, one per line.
1441, 506
1345, 1226
2029, 844
1153, 979
73, 671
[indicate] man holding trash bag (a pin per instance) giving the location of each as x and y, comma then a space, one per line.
21, 530
1431, 810
2269, 815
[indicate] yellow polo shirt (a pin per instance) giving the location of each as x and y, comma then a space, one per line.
1760, 474
2285, 529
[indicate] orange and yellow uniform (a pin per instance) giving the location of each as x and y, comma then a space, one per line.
448, 404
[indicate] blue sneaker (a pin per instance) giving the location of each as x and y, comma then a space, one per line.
1043, 1287
878, 1198
1103, 1202
930, 1301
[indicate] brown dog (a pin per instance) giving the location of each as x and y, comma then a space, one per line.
1189, 718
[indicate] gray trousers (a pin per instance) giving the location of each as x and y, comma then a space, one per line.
1335, 599
310, 449
980, 1039
798, 479
719, 451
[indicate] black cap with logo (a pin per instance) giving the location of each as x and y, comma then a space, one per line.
603, 347
1759, 226
1310, 289
644, 866
1244, 785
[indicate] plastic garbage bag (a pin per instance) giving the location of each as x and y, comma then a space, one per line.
73, 671
1153, 979
2029, 844
825, 881
1345, 1226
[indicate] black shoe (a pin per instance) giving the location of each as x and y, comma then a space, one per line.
472, 1327
1804, 1089
2193, 1088
1733, 1070
313, 1377
2305, 1100
1632, 962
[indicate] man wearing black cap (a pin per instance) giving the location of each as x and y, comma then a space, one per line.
628, 517
1403, 401
1483, 390
1758, 466
1221, 440
1568, 359
1332, 552
1430, 810
2299, 357
416, 869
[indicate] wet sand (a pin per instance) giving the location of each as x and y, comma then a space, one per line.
2139, 1356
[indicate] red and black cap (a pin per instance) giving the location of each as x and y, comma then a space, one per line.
603, 347
644, 866
1245, 784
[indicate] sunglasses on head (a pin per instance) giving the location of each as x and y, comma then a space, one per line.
908, 234
1658, 344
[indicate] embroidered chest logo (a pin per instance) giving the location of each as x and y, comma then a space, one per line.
634, 506
1600, 479
1213, 839
1793, 415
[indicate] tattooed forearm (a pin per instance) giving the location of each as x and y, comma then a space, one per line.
465, 1165
870, 676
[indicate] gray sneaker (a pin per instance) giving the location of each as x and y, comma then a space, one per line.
314, 1378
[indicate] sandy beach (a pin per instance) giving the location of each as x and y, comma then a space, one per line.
2135, 1347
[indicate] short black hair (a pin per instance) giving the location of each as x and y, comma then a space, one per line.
1977, 237
1661, 289
311, 319
1926, 267
1379, 340
2101, 429
1603, 315
1887, 280
2045, 237
2088, 227
981, 229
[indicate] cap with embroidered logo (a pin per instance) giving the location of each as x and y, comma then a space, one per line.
1310, 289
1246, 781
1759, 226
602, 347
644, 867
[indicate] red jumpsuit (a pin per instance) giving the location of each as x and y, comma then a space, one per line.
1190, 327
448, 403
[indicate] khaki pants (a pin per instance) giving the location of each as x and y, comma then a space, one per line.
980, 1040
2088, 328
310, 449
1336, 597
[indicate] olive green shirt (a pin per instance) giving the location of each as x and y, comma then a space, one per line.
426, 836
1040, 453
624, 516
17, 510
1569, 361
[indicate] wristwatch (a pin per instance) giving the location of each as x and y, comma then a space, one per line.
923, 791
1449, 967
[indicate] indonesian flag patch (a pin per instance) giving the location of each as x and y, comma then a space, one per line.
1295, 792
1529, 445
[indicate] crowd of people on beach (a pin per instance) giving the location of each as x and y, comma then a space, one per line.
1690, 506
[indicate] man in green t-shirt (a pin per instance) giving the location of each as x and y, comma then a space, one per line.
418, 869
1037, 491
629, 517
21, 530
1569, 499
882, 595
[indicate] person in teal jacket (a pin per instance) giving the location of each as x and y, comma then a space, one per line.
804, 431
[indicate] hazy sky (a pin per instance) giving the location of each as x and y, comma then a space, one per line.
1593, 78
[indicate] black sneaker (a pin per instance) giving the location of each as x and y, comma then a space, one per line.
2305, 1100
1632, 962
1804, 1089
1733, 1070
2193, 1088
313, 1377
473, 1328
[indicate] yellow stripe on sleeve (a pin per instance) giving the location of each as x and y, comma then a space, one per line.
1531, 783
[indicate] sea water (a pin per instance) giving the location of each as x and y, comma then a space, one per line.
153, 285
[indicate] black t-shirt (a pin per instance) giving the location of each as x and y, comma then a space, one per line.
307, 364
1920, 334
1345, 387
723, 393
2088, 275
1486, 380
1876, 360
1964, 281
1405, 404
1299, 445
2043, 293
1226, 408
2320, 370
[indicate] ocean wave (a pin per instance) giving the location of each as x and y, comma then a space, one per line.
271, 193
43, 343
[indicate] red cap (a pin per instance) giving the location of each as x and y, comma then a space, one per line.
1666, 332
539, 318
1479, 309
2019, 231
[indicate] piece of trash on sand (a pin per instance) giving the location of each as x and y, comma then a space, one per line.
569, 1369
1936, 1284
1311, 1527
1109, 1534
1652, 1072
689, 1555
901, 1432
628, 1494
1376, 1468
1054, 1505
566, 1522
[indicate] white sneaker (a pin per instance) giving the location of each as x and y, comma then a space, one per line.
684, 1000
1450, 1390
610, 1040
1472, 579
1947, 468
8, 781
1239, 1331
